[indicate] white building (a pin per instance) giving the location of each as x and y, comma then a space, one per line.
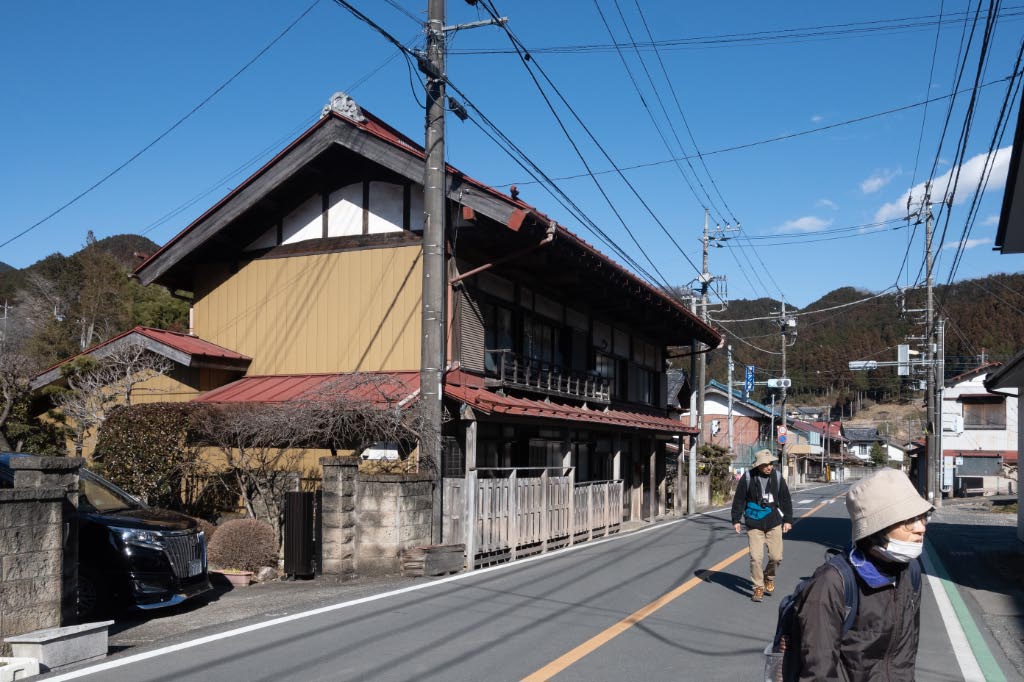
979, 433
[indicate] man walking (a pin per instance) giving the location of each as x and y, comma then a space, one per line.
762, 500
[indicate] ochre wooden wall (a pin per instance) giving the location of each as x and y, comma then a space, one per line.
336, 312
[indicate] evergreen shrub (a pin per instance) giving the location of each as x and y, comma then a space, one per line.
145, 449
243, 544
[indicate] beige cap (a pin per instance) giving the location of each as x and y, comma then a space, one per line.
882, 500
764, 457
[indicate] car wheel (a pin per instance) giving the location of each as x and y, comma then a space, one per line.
92, 596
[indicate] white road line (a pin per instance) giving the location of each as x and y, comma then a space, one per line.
135, 658
961, 647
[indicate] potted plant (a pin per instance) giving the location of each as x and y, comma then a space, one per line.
236, 577
241, 546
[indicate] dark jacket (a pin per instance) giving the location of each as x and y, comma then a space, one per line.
749, 489
882, 644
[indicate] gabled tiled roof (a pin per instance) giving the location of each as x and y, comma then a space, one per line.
862, 433
514, 212
971, 373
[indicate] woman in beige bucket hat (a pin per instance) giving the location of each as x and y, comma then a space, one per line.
888, 520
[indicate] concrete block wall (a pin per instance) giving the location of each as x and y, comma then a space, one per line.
368, 520
393, 512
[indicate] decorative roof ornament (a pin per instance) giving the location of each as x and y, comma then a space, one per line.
342, 104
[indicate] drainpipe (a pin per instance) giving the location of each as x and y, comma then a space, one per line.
548, 238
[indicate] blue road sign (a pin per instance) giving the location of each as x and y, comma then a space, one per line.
782, 439
748, 380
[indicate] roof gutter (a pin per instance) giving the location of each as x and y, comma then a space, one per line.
548, 238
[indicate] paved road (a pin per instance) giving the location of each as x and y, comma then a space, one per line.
669, 603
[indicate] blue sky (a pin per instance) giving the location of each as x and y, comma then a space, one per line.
89, 85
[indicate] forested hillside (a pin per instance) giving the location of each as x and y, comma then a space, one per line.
984, 318
63, 304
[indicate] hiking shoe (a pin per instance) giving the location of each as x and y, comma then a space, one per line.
758, 594
769, 586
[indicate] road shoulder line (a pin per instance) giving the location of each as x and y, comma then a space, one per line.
972, 653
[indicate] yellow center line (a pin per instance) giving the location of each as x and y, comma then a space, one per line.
564, 661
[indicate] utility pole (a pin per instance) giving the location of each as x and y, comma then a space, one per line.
691, 468
728, 350
940, 387
432, 351
934, 468
705, 281
787, 325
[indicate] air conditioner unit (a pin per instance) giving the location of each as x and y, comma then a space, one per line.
952, 423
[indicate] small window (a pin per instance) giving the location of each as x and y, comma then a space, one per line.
987, 413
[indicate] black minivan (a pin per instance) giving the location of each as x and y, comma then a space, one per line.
130, 554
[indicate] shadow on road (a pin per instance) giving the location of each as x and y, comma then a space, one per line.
728, 580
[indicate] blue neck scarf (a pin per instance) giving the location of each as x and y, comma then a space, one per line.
868, 571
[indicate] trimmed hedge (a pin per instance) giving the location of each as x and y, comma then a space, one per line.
145, 450
243, 544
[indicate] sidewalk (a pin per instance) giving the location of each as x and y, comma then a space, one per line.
224, 606
978, 545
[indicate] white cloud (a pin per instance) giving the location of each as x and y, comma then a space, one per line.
991, 221
970, 176
817, 118
967, 243
807, 223
827, 203
877, 181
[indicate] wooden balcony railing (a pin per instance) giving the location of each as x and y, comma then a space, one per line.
506, 368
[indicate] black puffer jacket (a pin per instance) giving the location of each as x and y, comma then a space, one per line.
749, 488
882, 644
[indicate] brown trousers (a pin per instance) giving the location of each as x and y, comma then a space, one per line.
758, 540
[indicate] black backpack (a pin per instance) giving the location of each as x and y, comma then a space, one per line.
782, 656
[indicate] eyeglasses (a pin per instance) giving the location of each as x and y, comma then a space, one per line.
910, 523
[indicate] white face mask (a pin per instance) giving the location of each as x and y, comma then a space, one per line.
900, 551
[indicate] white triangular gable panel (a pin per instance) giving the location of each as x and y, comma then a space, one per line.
387, 207
345, 215
304, 222
267, 240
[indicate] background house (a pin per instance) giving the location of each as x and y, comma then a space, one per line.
751, 423
979, 433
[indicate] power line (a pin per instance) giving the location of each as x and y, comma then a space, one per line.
526, 61
791, 35
166, 132
816, 311
778, 138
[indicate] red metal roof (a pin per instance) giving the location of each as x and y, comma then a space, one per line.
381, 388
193, 345
403, 387
470, 390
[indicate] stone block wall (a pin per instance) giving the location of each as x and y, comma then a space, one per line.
31, 575
368, 520
393, 512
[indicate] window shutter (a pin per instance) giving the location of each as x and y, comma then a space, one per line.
471, 333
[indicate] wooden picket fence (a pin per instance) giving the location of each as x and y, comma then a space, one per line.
521, 511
